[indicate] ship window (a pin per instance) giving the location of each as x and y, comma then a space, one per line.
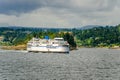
59, 39
55, 43
65, 45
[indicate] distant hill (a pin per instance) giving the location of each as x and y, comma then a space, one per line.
89, 27
36, 29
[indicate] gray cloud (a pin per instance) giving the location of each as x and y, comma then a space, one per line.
25, 6
82, 5
18, 6
59, 12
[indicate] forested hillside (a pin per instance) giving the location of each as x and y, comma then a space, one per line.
20, 36
95, 37
98, 37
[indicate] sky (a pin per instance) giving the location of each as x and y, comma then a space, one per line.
59, 13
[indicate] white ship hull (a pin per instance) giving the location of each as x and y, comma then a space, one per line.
45, 49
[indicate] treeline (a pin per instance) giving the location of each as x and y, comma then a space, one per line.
95, 37
18, 36
98, 37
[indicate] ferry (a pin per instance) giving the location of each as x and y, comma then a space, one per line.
57, 44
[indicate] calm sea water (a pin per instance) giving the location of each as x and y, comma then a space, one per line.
81, 64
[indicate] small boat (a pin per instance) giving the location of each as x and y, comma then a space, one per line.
48, 45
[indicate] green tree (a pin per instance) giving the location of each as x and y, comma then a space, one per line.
69, 37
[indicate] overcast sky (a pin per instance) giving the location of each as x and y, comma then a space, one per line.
59, 13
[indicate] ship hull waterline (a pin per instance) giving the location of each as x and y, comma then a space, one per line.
45, 49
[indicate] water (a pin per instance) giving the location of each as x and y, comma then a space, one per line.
82, 64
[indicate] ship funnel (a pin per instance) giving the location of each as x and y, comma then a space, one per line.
47, 37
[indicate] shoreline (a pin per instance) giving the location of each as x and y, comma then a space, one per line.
23, 47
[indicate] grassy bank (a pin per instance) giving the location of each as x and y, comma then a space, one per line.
18, 47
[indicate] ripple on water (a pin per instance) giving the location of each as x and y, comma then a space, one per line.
82, 64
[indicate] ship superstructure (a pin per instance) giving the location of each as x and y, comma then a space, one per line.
48, 45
